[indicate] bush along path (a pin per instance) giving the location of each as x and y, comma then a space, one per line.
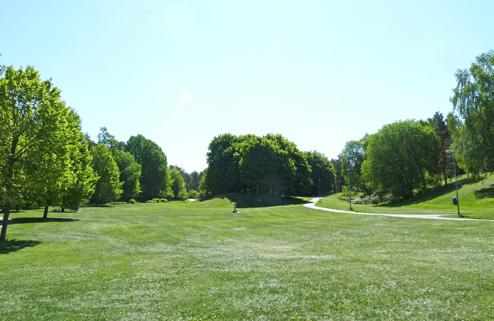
312, 204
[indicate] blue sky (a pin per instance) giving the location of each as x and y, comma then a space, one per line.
182, 72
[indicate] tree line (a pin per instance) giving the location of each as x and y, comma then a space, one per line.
268, 164
400, 160
46, 160
409, 157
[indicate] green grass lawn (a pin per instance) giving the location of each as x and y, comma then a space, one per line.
195, 261
476, 201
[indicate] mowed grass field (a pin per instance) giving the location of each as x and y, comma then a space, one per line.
476, 201
195, 261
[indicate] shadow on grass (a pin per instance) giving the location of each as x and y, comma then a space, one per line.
429, 194
486, 192
7, 247
25, 220
244, 200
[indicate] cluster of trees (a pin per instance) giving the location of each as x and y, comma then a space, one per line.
408, 157
401, 159
136, 170
268, 164
472, 122
46, 160
44, 157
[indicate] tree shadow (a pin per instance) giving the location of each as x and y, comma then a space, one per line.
429, 194
7, 247
245, 200
25, 220
486, 192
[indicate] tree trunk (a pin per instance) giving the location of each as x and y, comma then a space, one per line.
45, 213
9, 187
5, 222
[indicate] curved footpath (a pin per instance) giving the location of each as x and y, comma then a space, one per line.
313, 206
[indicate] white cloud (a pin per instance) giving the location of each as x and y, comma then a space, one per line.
186, 97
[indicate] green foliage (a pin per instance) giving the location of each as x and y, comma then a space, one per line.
252, 164
81, 188
323, 173
108, 186
132, 201
351, 160
401, 157
177, 184
193, 180
130, 174
222, 168
263, 167
476, 200
130, 170
153, 163
299, 180
194, 194
38, 141
440, 127
467, 148
339, 180
473, 102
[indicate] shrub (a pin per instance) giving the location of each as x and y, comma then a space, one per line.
132, 201
163, 200
193, 193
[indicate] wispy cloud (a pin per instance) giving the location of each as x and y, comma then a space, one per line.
186, 97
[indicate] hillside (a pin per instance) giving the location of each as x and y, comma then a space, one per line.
476, 201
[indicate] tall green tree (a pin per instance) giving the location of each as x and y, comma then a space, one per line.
469, 153
351, 159
299, 181
130, 174
130, 170
339, 180
30, 112
177, 184
82, 188
440, 127
108, 186
56, 172
322, 173
263, 167
154, 177
249, 163
222, 171
194, 180
473, 103
401, 157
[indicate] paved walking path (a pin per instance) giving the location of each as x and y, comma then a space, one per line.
313, 206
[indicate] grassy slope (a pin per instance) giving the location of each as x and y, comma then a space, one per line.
195, 261
476, 201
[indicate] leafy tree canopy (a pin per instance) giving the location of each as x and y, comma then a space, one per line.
108, 186
473, 119
153, 163
401, 157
